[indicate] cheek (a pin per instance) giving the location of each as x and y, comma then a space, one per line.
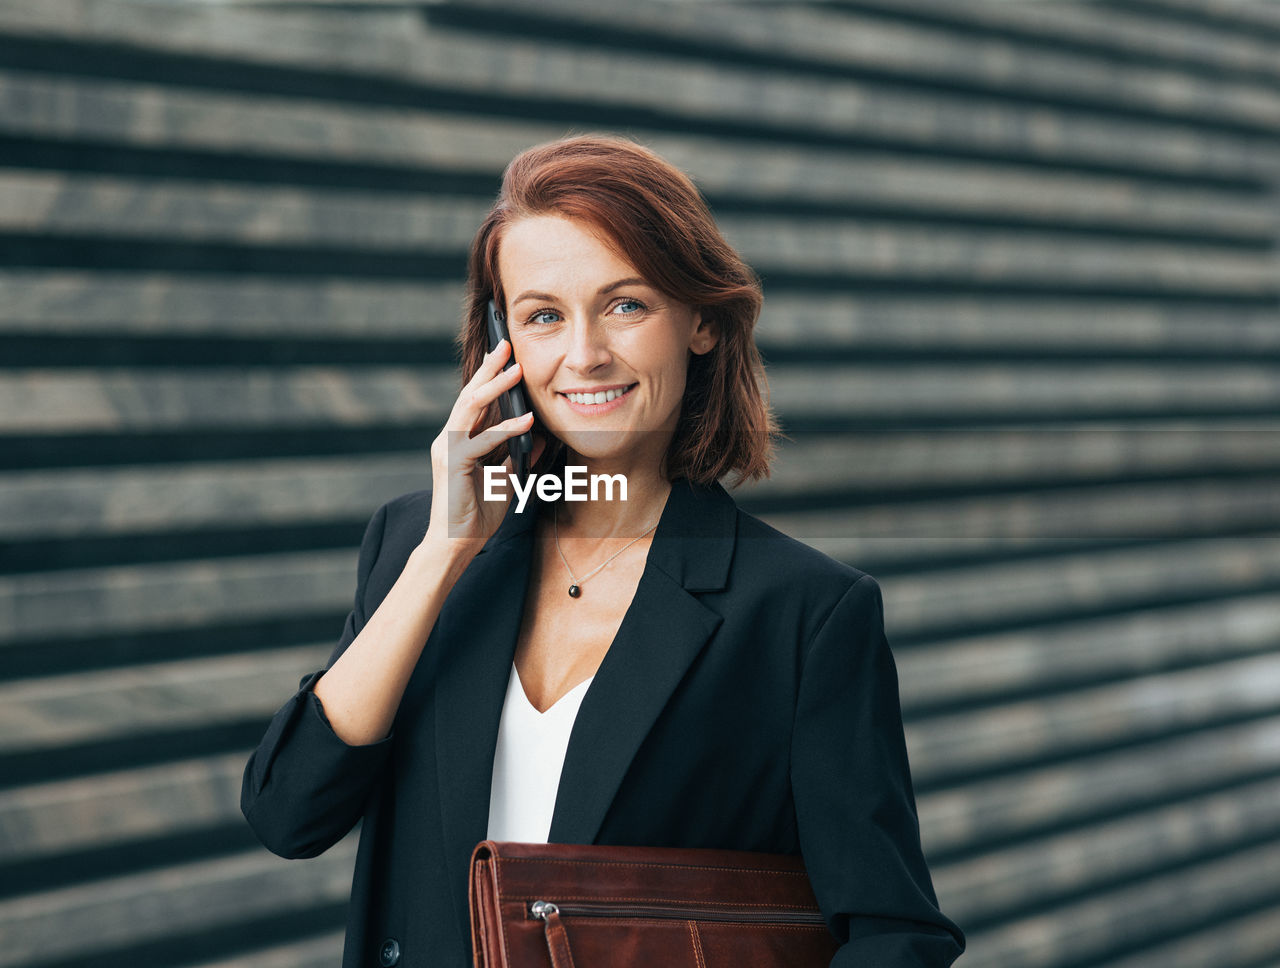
666, 361
533, 361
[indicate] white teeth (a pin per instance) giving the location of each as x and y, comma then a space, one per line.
604, 396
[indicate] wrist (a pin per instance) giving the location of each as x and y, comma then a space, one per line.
446, 558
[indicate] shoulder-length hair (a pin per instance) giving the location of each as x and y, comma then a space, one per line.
659, 222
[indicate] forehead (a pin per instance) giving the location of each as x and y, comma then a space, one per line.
548, 251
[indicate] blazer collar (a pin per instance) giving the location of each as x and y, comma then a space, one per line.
661, 633
693, 543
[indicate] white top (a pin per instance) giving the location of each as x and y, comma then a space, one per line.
528, 761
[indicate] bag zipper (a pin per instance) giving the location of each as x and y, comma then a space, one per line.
542, 910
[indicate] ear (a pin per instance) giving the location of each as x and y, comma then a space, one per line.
705, 334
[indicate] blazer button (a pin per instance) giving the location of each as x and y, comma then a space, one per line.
390, 953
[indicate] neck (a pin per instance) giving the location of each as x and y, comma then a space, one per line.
647, 491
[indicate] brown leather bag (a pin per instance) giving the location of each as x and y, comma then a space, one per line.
601, 906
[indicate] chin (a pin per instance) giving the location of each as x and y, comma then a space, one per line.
599, 444
623, 444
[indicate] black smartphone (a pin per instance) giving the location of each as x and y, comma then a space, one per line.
512, 403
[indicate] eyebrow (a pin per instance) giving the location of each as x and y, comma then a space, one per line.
547, 297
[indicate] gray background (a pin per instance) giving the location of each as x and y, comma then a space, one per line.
1022, 291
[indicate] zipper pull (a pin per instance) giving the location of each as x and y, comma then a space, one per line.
557, 940
543, 909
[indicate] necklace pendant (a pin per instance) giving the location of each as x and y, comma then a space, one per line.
574, 591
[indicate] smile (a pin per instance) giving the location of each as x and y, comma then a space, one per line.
604, 396
598, 402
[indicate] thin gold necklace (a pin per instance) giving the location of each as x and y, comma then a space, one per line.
575, 588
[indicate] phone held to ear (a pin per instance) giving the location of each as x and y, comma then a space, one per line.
511, 403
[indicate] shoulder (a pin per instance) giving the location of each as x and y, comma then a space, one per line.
397, 527
762, 546
796, 577
408, 511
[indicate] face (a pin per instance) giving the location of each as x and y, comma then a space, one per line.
583, 323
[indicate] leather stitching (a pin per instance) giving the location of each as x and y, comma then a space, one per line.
697, 944
624, 865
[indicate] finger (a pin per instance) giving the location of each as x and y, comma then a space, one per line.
471, 450
483, 397
498, 384
491, 363
469, 409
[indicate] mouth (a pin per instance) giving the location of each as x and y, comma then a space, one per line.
602, 401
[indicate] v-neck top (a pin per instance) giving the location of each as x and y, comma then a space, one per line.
527, 762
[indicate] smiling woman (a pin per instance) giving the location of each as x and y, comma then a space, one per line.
706, 682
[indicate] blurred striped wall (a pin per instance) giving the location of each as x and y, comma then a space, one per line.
1023, 298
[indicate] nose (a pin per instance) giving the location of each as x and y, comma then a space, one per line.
588, 348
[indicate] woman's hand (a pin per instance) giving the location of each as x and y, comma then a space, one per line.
459, 512
363, 687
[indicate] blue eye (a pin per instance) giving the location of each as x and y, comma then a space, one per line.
638, 307
538, 316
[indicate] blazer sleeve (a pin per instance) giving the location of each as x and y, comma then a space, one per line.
855, 807
303, 787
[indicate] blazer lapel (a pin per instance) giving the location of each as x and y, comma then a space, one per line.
662, 632
664, 629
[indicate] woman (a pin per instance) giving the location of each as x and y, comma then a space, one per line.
696, 678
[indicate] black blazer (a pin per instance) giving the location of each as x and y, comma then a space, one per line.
748, 702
